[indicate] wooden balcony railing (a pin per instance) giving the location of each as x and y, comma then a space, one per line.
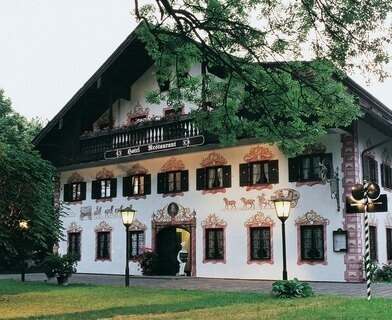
94, 146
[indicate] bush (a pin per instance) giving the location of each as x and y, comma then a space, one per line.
291, 289
385, 273
57, 265
148, 261
373, 269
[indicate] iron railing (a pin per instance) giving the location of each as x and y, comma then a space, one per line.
93, 146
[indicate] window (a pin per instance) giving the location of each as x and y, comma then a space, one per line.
255, 173
74, 243
260, 243
308, 167
370, 172
103, 189
373, 242
214, 244
103, 245
386, 176
389, 243
173, 112
137, 243
137, 185
172, 182
312, 242
75, 191
137, 119
213, 178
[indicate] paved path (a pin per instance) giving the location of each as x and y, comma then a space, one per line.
188, 283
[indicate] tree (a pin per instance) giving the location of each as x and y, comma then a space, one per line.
271, 69
26, 190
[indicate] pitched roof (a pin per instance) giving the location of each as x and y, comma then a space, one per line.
130, 60
110, 82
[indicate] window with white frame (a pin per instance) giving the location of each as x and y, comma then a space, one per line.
214, 246
312, 242
373, 242
263, 172
173, 181
137, 185
74, 243
136, 246
389, 243
75, 192
260, 243
104, 188
370, 169
386, 176
103, 245
309, 167
213, 178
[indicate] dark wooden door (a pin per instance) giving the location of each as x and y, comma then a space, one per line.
167, 246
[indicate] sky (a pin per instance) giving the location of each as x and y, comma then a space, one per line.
50, 48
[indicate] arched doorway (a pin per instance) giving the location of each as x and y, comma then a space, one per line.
168, 243
169, 229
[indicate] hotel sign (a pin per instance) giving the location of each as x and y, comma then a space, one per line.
155, 147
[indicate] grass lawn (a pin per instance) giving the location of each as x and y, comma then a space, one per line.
37, 300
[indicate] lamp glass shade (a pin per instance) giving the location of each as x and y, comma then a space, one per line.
128, 215
373, 191
23, 224
358, 191
282, 208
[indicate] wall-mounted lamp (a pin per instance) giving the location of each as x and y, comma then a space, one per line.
339, 240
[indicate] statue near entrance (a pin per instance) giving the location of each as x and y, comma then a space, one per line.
182, 258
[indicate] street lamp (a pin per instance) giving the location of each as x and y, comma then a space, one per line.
23, 225
282, 209
127, 215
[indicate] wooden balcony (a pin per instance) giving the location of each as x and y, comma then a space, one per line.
97, 146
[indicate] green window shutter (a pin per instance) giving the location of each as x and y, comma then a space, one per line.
67, 192
200, 179
113, 188
83, 190
184, 180
147, 184
161, 187
273, 171
127, 190
294, 170
227, 176
95, 189
244, 174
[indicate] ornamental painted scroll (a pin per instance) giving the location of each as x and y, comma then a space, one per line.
287, 194
74, 228
174, 212
75, 177
310, 218
258, 153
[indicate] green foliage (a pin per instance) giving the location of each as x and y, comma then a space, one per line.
246, 53
26, 191
291, 289
373, 268
384, 273
57, 265
148, 261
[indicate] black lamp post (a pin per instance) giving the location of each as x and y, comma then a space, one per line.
127, 215
282, 209
23, 225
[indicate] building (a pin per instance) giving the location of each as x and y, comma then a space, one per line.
113, 150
